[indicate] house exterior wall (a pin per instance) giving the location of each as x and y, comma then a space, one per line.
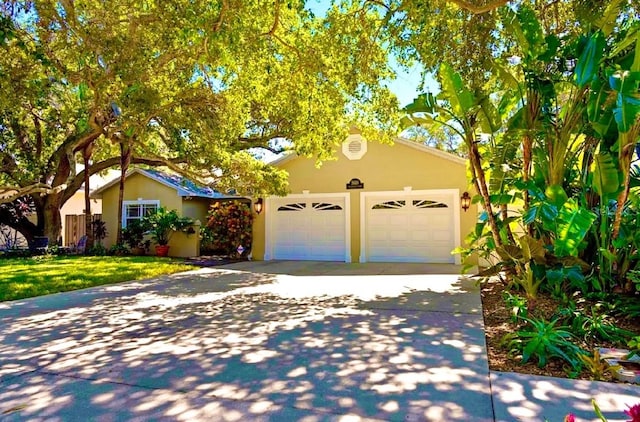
383, 168
139, 187
75, 206
196, 208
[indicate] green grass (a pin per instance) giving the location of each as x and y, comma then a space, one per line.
28, 277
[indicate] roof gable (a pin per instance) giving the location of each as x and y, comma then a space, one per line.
402, 141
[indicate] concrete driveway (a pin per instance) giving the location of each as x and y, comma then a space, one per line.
274, 341
252, 341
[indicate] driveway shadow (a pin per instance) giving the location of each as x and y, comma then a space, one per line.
243, 345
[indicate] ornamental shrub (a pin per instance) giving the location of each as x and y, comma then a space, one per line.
228, 226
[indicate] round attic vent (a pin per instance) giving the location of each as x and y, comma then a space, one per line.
354, 147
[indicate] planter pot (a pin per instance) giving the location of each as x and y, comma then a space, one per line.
162, 250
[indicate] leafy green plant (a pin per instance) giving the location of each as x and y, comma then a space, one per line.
601, 326
562, 280
517, 304
593, 323
99, 228
634, 346
542, 340
133, 235
163, 223
118, 250
97, 250
521, 260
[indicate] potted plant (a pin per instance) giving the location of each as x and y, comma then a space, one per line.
162, 224
133, 236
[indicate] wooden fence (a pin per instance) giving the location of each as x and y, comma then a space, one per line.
75, 227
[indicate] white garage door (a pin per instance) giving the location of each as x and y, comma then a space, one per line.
309, 228
410, 227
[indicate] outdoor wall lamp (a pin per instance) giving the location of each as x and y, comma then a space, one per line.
465, 201
257, 206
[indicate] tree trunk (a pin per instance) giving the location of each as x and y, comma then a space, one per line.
86, 155
481, 184
527, 149
52, 219
125, 160
625, 165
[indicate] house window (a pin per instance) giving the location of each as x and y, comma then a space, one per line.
135, 210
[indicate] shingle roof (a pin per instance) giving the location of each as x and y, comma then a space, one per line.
182, 185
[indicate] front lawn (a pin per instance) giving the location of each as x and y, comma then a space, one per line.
28, 277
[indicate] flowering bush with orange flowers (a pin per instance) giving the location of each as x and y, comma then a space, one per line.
228, 227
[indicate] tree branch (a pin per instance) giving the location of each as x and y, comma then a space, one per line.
477, 10
276, 19
11, 193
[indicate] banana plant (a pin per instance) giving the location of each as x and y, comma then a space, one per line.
467, 114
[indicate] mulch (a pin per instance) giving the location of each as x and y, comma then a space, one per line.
212, 260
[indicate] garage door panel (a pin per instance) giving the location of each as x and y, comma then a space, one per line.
442, 236
377, 235
309, 228
409, 228
422, 236
399, 235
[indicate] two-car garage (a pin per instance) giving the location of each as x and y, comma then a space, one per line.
375, 202
389, 226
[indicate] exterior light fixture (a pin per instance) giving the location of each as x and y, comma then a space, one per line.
465, 201
257, 206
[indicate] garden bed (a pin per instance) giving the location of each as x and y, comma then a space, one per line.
499, 322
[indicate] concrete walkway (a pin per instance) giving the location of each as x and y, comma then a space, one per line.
273, 341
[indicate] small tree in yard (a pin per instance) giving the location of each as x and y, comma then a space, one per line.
228, 227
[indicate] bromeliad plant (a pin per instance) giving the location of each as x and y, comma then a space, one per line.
542, 340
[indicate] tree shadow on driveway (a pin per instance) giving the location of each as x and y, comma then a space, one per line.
239, 345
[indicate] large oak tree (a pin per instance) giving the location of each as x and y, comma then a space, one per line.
191, 85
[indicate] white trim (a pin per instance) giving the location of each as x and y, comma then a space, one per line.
455, 193
407, 142
155, 202
430, 150
269, 217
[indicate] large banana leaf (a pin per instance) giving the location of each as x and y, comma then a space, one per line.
410, 121
454, 91
532, 249
573, 223
490, 119
607, 21
606, 176
505, 151
627, 108
423, 103
527, 30
589, 60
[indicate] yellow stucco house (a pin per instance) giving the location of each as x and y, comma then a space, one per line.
145, 191
374, 203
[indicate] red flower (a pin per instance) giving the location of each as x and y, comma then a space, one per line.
570, 418
633, 412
